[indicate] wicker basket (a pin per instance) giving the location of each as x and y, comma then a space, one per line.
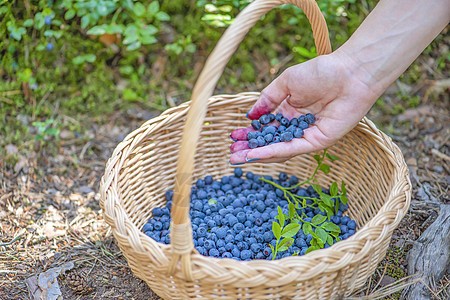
191, 141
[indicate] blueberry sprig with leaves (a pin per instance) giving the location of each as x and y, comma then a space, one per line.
320, 231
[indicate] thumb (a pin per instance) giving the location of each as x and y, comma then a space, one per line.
271, 97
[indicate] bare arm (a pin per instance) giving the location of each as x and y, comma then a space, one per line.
340, 88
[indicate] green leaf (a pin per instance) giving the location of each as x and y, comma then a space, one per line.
97, 30
212, 201
343, 189
307, 228
90, 58
285, 244
69, 14
329, 211
292, 212
290, 230
271, 248
153, 8
28, 23
344, 199
130, 39
52, 131
114, 28
321, 234
312, 248
332, 157
317, 158
78, 60
331, 227
162, 16
281, 217
317, 219
334, 189
276, 229
317, 188
330, 240
149, 30
327, 200
139, 9
85, 21
324, 168
40, 48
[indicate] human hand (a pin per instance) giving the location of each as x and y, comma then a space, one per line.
332, 87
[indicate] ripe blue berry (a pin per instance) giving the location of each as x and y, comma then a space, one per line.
309, 118
351, 225
278, 117
253, 143
50, 47
303, 125
256, 125
48, 20
246, 254
264, 120
284, 122
298, 132
261, 141
286, 136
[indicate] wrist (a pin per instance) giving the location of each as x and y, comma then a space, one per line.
360, 79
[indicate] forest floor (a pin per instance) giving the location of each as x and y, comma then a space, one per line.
49, 202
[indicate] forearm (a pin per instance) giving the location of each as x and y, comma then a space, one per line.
391, 38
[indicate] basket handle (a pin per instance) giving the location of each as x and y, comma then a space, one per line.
181, 236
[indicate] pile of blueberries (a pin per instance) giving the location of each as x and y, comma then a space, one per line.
232, 218
287, 130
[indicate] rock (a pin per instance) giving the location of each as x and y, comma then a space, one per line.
387, 280
84, 189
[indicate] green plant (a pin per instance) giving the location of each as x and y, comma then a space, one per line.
322, 232
45, 129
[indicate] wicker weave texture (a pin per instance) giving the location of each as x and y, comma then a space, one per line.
142, 168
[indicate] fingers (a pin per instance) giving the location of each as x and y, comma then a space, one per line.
313, 140
240, 134
271, 97
239, 146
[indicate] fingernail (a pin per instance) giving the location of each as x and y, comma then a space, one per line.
234, 140
253, 159
236, 164
248, 113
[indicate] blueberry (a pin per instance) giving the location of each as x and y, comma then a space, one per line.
227, 255
235, 252
200, 183
252, 135
271, 117
256, 125
261, 141
279, 117
345, 220
201, 231
284, 122
241, 217
298, 133
351, 225
294, 122
157, 212
221, 233
351, 232
48, 20
291, 128
158, 225
309, 118
238, 172
344, 228
249, 175
255, 248
300, 242
264, 120
253, 143
260, 206
286, 136
293, 180
303, 125
246, 254
269, 129
147, 227
50, 47
168, 195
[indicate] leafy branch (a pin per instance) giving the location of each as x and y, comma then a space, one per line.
321, 231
